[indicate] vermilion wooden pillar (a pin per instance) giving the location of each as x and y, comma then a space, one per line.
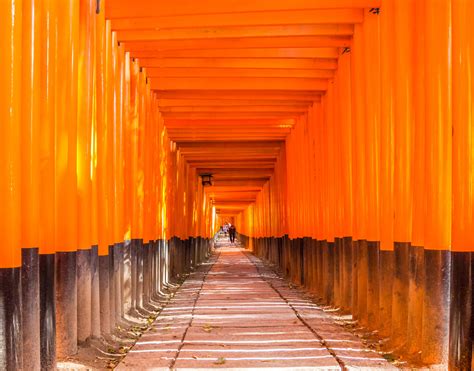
438, 176
84, 182
461, 314
403, 155
346, 164
97, 18
416, 258
358, 72
387, 123
110, 119
372, 45
33, 26
66, 177
118, 159
47, 190
11, 356
104, 224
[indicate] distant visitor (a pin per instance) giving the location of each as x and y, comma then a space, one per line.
232, 232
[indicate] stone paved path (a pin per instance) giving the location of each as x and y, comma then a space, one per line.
234, 313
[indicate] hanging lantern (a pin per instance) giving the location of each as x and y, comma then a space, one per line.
206, 179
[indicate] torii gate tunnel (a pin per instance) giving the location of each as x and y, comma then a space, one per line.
339, 135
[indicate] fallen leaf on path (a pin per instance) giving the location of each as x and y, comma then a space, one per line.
124, 349
220, 361
207, 329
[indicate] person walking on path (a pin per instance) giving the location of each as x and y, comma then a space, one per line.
232, 233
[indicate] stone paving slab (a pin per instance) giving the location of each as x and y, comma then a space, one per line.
237, 314
239, 356
263, 337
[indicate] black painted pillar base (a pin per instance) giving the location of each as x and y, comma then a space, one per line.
112, 295
179, 258
171, 259
127, 277
187, 255
104, 263
299, 267
328, 271
11, 343
346, 285
436, 307
139, 275
280, 253
386, 259
165, 262
150, 265
460, 342
267, 244
330, 274
373, 282
146, 274
161, 267
84, 296
337, 272
118, 280
153, 270
192, 253
415, 303
66, 303
309, 276
320, 268
355, 279
362, 281
303, 262
95, 295
184, 256
400, 294
133, 275
316, 267
30, 290
48, 311
157, 270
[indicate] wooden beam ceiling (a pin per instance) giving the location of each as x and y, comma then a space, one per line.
232, 77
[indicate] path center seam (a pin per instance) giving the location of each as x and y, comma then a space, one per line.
173, 362
319, 337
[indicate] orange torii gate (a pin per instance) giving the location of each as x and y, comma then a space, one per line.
339, 135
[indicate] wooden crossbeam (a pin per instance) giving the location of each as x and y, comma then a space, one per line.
301, 63
241, 42
153, 8
230, 139
244, 83
241, 53
228, 102
239, 94
238, 173
234, 108
233, 32
220, 72
211, 145
288, 17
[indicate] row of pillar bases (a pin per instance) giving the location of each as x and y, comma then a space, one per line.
57, 302
418, 300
